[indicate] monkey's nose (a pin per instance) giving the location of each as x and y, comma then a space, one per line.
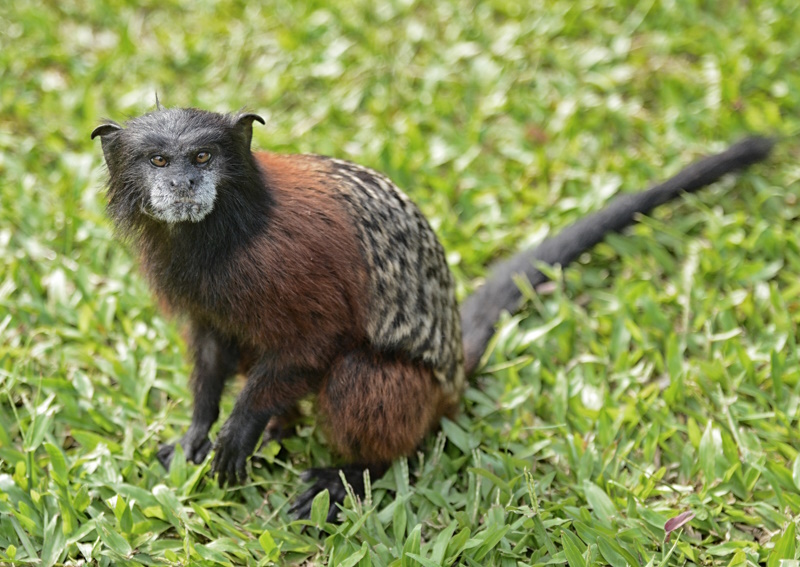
182, 182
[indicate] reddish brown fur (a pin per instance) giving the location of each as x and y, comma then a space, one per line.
364, 398
376, 408
310, 262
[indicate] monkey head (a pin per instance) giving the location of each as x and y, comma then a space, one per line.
169, 165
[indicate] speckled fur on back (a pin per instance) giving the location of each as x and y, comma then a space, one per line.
412, 305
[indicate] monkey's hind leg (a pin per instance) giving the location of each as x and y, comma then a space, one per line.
374, 408
215, 360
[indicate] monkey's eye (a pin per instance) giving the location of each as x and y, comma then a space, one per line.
202, 157
158, 161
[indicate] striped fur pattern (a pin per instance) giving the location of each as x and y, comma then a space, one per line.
412, 294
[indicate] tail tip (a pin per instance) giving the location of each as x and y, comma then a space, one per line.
754, 148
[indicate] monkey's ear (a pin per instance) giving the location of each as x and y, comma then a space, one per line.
248, 118
245, 123
105, 129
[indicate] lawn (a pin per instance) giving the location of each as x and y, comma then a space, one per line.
657, 376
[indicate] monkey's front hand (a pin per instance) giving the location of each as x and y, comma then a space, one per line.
236, 441
195, 444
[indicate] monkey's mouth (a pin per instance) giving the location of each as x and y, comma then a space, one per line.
187, 209
178, 209
171, 206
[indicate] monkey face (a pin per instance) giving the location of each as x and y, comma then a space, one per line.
182, 184
172, 164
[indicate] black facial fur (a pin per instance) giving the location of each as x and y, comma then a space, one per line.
230, 209
182, 190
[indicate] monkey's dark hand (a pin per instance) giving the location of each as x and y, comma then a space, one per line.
236, 441
195, 443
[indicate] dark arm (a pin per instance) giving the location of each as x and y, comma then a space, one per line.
216, 358
270, 391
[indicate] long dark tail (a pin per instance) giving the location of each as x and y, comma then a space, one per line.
481, 310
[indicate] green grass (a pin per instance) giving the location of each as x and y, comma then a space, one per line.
659, 376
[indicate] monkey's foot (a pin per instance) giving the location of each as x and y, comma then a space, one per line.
328, 478
195, 443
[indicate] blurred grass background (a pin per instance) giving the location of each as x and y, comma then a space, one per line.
659, 376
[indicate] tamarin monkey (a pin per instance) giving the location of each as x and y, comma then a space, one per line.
314, 276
